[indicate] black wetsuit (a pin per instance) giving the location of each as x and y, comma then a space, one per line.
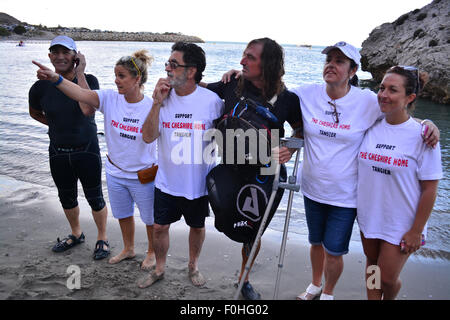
67, 125
286, 107
238, 194
74, 150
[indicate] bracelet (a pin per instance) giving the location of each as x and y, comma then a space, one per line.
60, 79
423, 121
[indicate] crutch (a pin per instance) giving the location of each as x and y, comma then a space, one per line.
292, 186
260, 230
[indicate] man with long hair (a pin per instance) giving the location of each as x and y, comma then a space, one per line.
261, 80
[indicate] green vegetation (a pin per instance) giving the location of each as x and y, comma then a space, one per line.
4, 32
19, 30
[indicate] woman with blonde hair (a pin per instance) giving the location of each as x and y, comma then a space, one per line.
124, 112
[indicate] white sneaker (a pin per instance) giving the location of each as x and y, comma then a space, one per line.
325, 296
311, 293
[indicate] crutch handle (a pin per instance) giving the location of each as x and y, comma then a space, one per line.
292, 142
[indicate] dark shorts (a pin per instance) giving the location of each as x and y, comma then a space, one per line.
169, 209
68, 164
329, 226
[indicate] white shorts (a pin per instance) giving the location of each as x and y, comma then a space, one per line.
124, 193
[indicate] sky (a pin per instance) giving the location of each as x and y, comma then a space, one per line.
315, 22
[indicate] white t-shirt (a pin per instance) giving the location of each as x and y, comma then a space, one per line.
123, 134
391, 162
183, 120
329, 172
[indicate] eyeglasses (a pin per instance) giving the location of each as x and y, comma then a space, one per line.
174, 65
334, 114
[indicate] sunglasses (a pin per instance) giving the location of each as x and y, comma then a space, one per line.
413, 71
173, 65
334, 114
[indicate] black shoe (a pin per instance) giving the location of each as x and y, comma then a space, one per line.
63, 245
100, 252
249, 293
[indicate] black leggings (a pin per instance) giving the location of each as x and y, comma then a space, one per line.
68, 164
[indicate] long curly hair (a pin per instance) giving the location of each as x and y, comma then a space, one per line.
272, 68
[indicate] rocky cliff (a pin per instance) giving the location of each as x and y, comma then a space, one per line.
418, 38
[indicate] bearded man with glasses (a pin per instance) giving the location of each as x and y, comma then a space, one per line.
181, 112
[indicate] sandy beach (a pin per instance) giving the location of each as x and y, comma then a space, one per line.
31, 219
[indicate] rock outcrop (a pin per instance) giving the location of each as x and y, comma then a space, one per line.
418, 38
7, 19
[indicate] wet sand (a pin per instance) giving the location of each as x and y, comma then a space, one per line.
31, 219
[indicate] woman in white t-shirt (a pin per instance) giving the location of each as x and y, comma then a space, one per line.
397, 182
124, 112
336, 114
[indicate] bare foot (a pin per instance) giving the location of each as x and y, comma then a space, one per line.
149, 262
151, 279
124, 255
197, 278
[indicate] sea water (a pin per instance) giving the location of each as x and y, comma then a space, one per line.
24, 141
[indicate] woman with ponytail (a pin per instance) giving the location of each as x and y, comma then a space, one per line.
397, 181
125, 111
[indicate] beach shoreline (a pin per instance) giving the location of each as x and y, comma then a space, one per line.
103, 36
31, 219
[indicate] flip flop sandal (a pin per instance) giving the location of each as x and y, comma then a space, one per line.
311, 293
100, 252
63, 245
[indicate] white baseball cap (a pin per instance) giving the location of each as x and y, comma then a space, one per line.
350, 51
64, 41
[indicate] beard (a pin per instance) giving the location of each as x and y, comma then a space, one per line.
177, 82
